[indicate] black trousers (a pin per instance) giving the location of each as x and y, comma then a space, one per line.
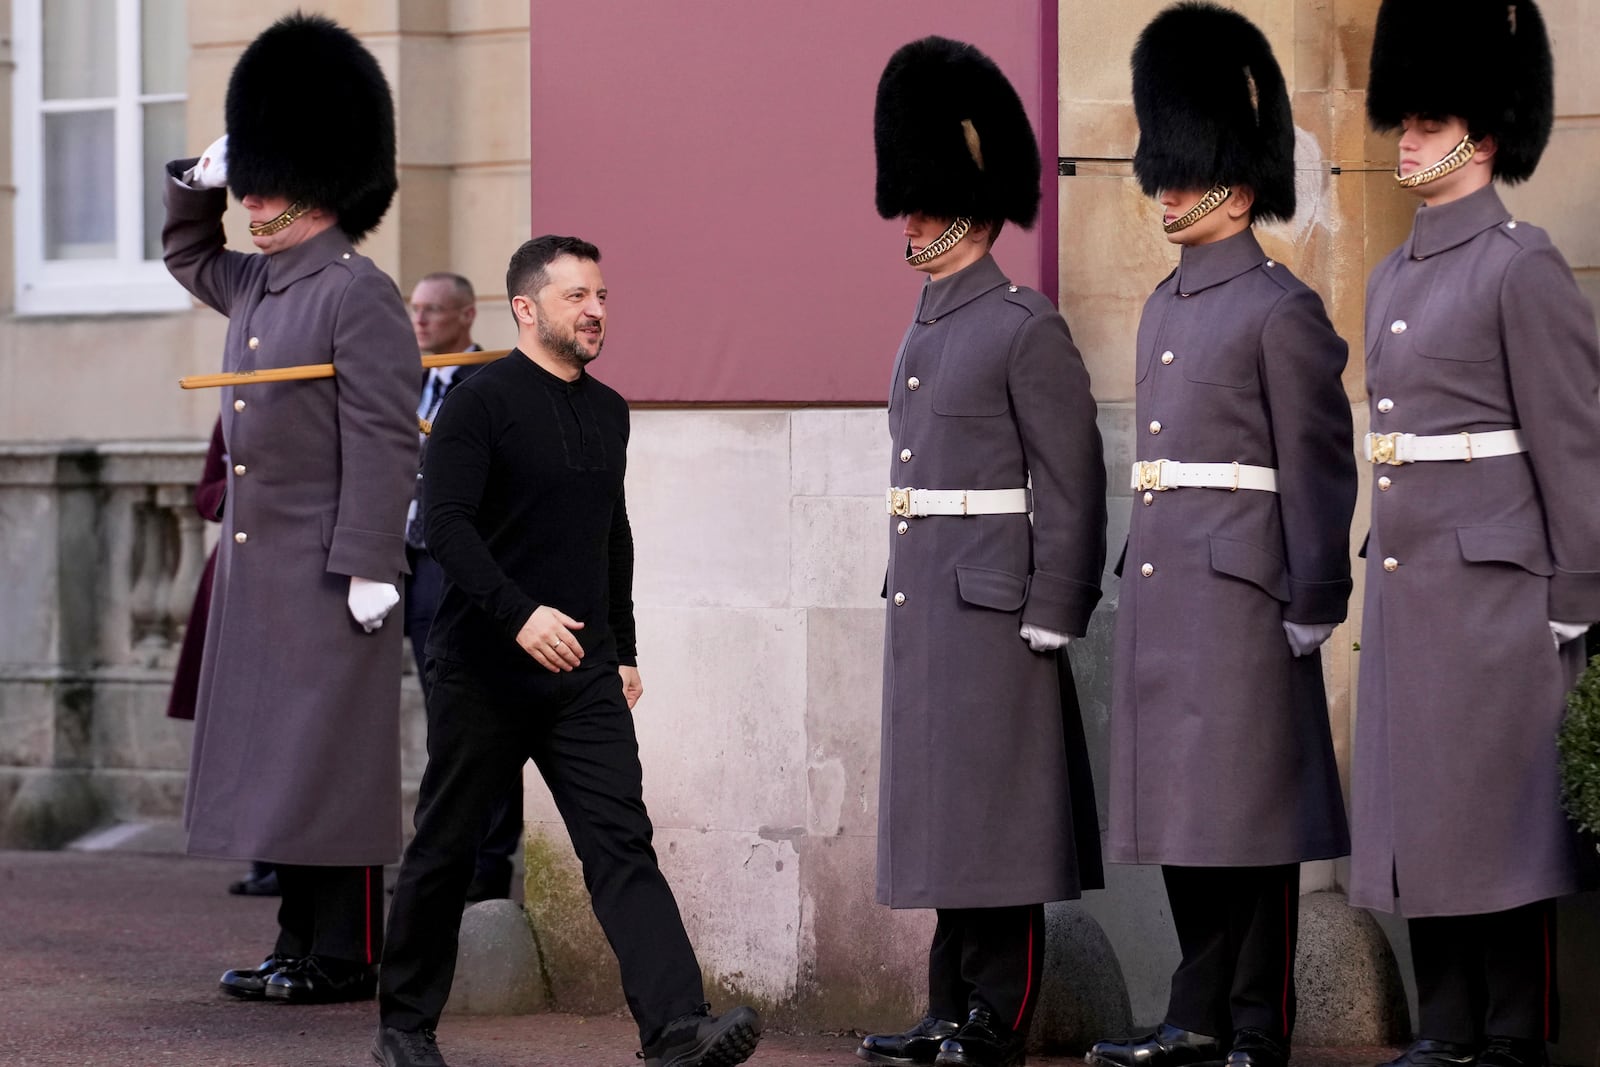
577, 729
1491, 975
331, 912
1237, 928
502, 831
987, 958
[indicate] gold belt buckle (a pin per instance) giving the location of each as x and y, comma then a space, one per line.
1385, 449
1150, 476
900, 502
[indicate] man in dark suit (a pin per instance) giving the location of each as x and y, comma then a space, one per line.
443, 309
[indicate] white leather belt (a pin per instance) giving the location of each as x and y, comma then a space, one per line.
1160, 474
1397, 448
914, 503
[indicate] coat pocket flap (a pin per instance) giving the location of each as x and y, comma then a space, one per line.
1506, 544
985, 588
1241, 559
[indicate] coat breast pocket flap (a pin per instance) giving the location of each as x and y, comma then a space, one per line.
1251, 563
985, 588
1518, 545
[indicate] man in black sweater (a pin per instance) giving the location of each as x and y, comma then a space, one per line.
532, 656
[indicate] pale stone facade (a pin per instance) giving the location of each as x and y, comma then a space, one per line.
760, 536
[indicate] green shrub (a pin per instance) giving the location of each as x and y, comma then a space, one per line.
1579, 745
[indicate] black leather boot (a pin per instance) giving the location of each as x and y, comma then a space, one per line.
250, 983
1256, 1048
316, 980
1429, 1053
983, 1041
1514, 1052
918, 1045
1167, 1047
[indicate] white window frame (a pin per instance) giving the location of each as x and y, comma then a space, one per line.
129, 282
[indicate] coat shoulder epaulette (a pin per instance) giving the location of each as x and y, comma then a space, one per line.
1282, 276
1035, 302
1524, 234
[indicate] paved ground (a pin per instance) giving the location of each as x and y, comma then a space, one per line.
111, 957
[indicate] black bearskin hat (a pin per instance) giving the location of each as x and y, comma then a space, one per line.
1487, 62
310, 118
952, 137
1212, 108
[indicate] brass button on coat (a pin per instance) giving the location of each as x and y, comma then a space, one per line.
255, 343
1384, 483
241, 537
1149, 498
899, 598
1147, 570
913, 383
1391, 564
905, 455
238, 405
1155, 427
903, 527
1397, 326
239, 469
1167, 357
1386, 405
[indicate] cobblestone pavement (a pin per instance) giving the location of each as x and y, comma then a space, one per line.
111, 958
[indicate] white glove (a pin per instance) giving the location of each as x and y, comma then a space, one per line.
371, 601
1041, 640
1306, 637
211, 172
1562, 632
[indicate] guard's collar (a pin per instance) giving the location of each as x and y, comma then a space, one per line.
306, 258
1203, 266
940, 296
1441, 228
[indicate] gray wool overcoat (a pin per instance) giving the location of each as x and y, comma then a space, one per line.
1474, 324
296, 753
1221, 753
985, 796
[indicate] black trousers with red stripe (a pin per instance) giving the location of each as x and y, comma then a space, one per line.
1481, 976
331, 912
1237, 928
987, 958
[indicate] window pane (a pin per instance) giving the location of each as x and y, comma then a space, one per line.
163, 140
80, 209
80, 49
165, 37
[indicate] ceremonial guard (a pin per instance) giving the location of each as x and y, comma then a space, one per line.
296, 756
1483, 561
1237, 563
986, 809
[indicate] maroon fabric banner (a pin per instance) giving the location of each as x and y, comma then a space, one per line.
719, 152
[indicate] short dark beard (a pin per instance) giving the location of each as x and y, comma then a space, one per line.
568, 349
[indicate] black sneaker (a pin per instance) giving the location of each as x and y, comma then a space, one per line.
703, 1040
406, 1048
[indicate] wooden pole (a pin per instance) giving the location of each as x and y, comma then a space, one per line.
308, 371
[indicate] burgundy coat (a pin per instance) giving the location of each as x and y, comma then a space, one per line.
1474, 324
208, 498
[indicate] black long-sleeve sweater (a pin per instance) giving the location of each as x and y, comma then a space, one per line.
523, 496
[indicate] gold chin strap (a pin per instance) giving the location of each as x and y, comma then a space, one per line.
1449, 164
947, 240
282, 222
1208, 203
